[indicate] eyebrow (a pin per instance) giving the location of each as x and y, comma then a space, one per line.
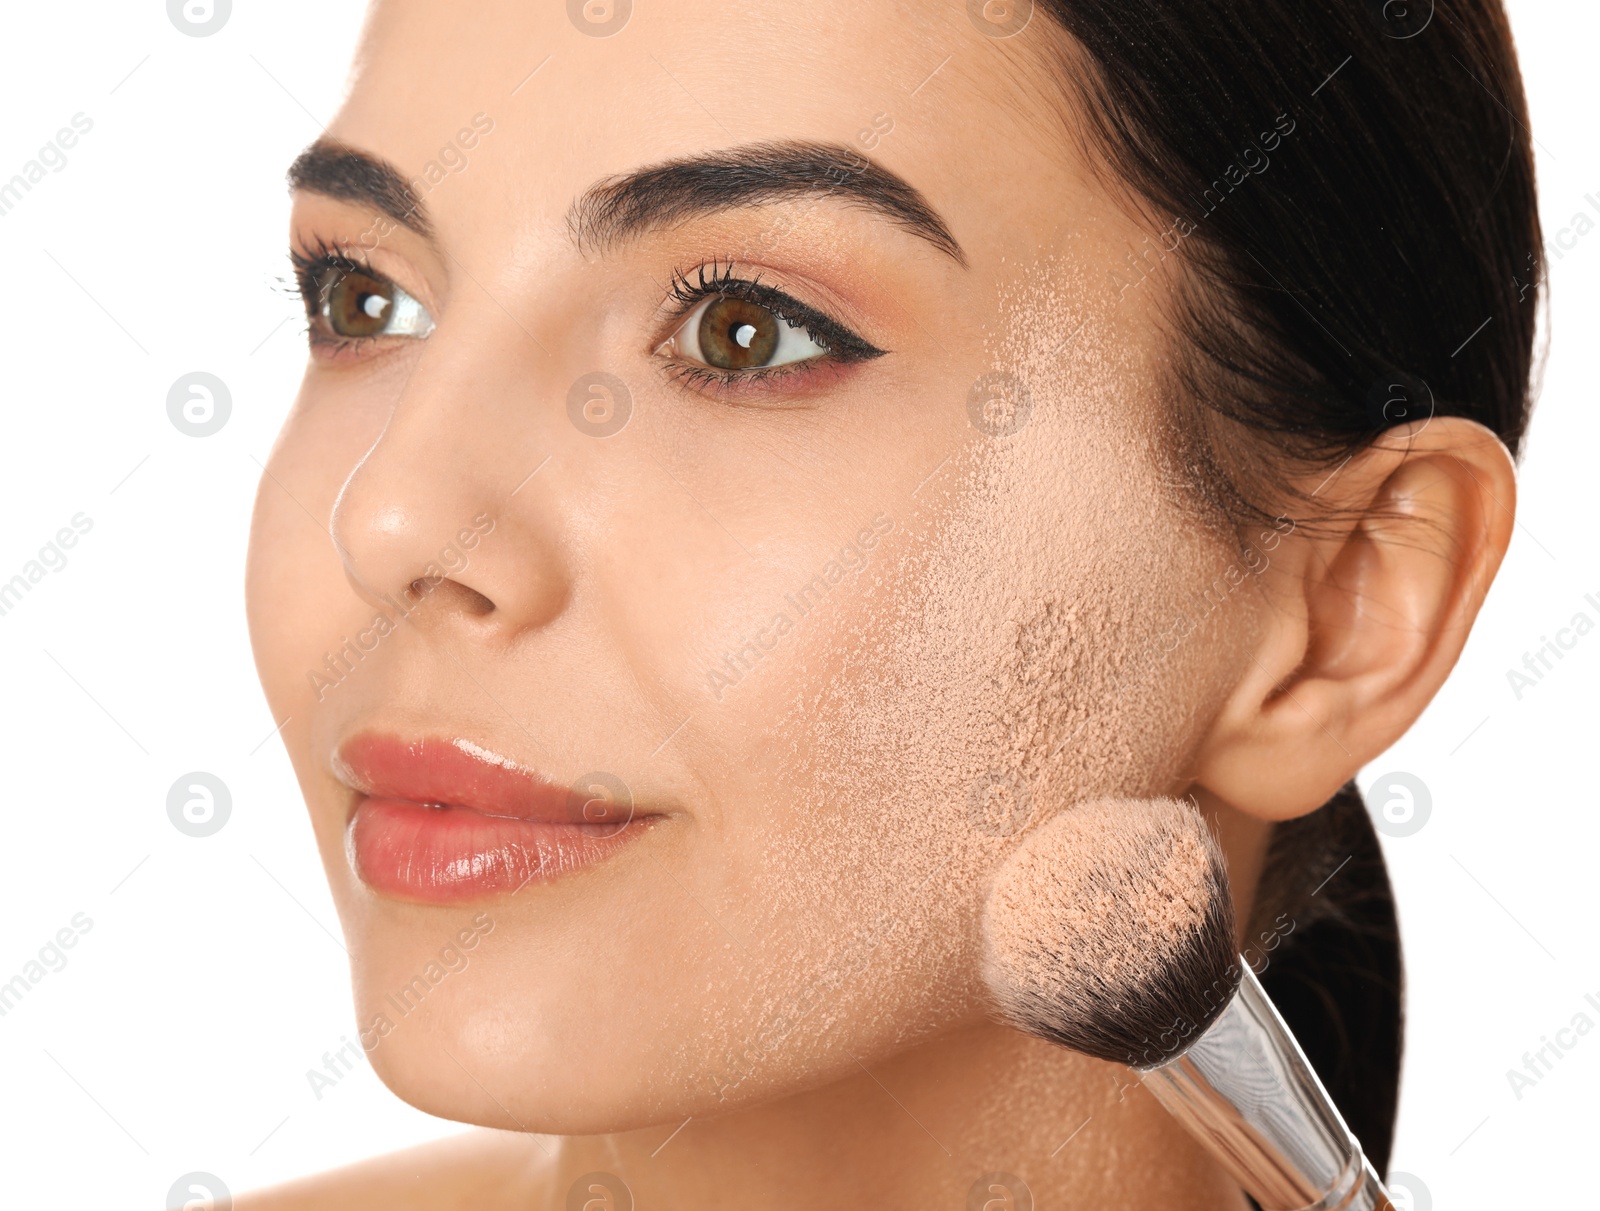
752, 174
623, 207
339, 171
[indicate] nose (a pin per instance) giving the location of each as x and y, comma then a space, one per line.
444, 519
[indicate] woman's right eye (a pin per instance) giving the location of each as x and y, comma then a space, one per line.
356, 304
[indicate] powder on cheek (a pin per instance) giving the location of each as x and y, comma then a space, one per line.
1008, 664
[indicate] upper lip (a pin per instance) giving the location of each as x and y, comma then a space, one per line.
456, 773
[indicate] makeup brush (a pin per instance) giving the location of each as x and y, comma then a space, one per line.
1110, 931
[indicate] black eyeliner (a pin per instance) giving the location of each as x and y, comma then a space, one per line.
840, 342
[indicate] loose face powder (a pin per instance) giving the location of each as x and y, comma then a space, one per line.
1011, 658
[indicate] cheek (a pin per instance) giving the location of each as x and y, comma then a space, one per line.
300, 608
1007, 661
298, 602
284, 613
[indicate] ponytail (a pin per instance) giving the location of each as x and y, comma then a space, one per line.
1326, 907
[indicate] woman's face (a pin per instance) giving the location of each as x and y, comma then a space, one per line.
800, 505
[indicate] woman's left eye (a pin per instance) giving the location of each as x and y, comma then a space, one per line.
355, 304
740, 334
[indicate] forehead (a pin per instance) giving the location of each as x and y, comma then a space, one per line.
974, 123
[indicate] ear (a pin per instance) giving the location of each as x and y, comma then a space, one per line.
1366, 611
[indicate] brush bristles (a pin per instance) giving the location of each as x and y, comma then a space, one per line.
1110, 931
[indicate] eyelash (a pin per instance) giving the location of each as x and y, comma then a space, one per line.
717, 279
310, 264
711, 279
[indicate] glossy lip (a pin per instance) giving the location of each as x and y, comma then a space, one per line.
444, 821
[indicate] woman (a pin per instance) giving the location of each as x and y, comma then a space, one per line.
754, 466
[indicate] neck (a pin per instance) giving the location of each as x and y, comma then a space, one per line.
921, 1130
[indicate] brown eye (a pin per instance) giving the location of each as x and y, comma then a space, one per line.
356, 304
752, 332
348, 302
736, 334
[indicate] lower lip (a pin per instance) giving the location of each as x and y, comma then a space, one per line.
444, 855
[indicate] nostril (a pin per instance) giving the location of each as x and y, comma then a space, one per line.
475, 602
459, 596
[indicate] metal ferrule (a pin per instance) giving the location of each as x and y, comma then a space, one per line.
1245, 1090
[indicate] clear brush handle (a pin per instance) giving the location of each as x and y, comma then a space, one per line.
1245, 1091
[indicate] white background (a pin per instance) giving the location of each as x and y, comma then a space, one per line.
179, 1034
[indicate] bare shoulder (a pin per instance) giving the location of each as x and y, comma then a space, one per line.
480, 1169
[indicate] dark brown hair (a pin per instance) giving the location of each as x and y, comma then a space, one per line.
1346, 190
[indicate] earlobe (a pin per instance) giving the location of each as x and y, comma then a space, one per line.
1369, 612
